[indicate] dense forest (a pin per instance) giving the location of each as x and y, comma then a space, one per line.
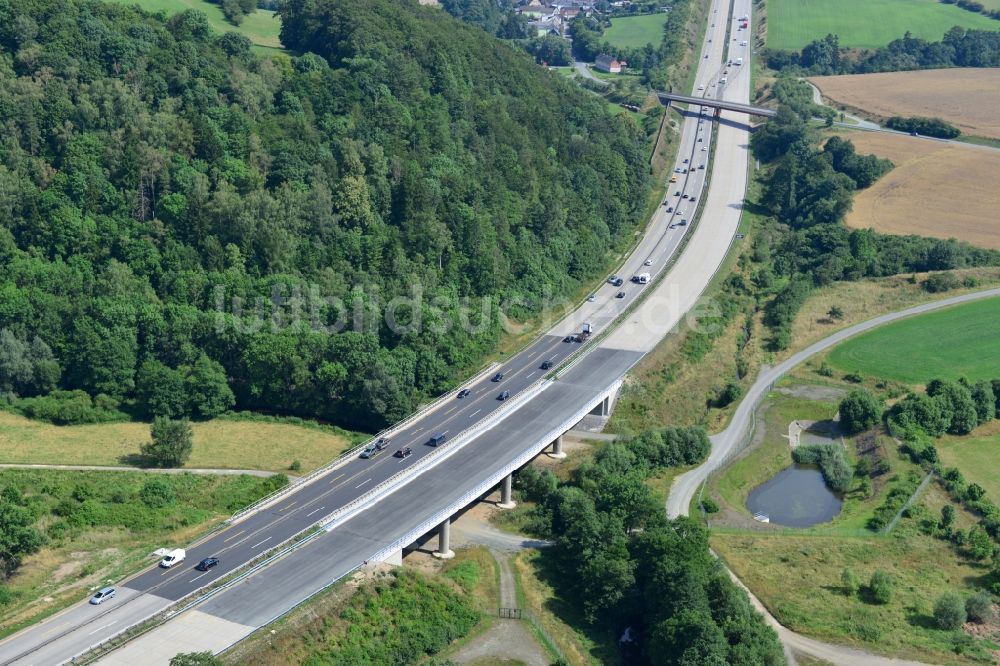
958, 48
180, 214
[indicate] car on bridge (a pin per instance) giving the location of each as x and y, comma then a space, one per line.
404, 452
464, 392
437, 439
569, 338
497, 377
103, 595
503, 395
547, 364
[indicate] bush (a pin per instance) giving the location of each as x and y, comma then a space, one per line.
709, 505
859, 410
882, 587
979, 607
949, 611
849, 581
70, 408
939, 282
830, 458
157, 493
296, 466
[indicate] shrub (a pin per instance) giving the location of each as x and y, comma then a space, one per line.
927, 126
949, 611
859, 410
832, 462
882, 587
979, 607
709, 505
939, 282
296, 466
849, 581
157, 493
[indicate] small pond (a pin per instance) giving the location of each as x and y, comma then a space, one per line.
795, 497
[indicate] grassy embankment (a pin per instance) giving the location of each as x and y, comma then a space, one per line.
383, 617
100, 526
220, 443
261, 27
791, 24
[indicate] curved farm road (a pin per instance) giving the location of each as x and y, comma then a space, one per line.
726, 442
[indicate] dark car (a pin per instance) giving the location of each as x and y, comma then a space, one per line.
497, 377
207, 563
546, 365
403, 452
437, 439
618, 282
568, 338
464, 392
677, 193
503, 395
683, 223
620, 294
670, 209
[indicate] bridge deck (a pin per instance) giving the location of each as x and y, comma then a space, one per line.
666, 98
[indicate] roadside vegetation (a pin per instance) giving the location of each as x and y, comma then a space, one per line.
383, 616
65, 532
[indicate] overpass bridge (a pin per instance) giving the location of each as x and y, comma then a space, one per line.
667, 98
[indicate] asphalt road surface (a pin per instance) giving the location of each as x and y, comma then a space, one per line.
74, 630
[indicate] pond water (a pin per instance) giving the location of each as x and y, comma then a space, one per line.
797, 496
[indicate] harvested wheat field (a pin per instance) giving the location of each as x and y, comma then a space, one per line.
937, 189
966, 97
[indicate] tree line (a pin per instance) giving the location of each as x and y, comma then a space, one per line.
808, 189
958, 48
156, 175
628, 568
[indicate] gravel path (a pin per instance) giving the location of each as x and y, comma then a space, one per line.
150, 470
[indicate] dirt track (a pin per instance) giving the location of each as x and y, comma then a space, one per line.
966, 97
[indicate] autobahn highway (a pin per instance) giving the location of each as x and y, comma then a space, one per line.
273, 590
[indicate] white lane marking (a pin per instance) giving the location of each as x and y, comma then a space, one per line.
475, 412
260, 542
530, 376
102, 628
197, 577
314, 511
363, 483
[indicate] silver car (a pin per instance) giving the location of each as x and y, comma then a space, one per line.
103, 595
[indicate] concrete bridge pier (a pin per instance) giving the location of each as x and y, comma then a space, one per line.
506, 501
444, 551
557, 451
603, 408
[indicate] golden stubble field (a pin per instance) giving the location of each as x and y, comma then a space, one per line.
937, 189
965, 97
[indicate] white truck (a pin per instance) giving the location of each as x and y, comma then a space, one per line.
173, 557
739, 61
643, 278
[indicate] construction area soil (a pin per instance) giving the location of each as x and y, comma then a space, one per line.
937, 189
965, 97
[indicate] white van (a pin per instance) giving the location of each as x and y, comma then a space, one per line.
173, 557
723, 80
739, 61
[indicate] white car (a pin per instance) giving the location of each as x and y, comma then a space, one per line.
648, 262
701, 87
591, 298
704, 148
173, 557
